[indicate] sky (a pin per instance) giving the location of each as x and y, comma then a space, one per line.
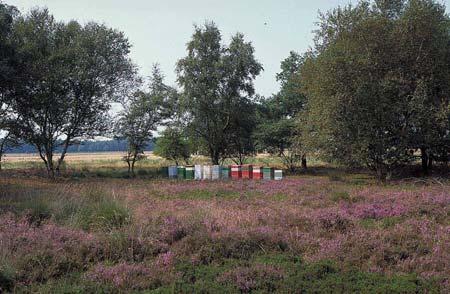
159, 29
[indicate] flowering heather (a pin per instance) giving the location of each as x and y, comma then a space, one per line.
374, 210
40, 253
165, 259
287, 187
124, 276
184, 229
260, 276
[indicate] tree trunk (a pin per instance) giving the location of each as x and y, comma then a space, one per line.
50, 164
129, 166
63, 155
304, 164
132, 166
1, 153
381, 172
424, 155
1, 157
50, 167
215, 157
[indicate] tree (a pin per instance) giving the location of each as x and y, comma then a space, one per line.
173, 145
7, 73
7, 141
70, 75
422, 31
217, 81
135, 124
7, 53
140, 116
277, 134
366, 78
240, 141
277, 130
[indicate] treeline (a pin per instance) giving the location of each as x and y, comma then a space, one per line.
83, 147
373, 91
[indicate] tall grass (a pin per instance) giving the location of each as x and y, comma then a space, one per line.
91, 209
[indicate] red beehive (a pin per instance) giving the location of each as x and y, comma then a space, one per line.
257, 173
247, 171
236, 171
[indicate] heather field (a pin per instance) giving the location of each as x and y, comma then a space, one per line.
329, 232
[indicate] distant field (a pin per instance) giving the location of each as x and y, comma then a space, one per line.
71, 156
111, 162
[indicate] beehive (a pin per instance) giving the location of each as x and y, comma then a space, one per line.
247, 171
257, 173
278, 174
215, 172
181, 170
198, 172
236, 172
207, 172
190, 172
172, 170
225, 172
267, 173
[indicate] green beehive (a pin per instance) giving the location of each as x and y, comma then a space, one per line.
267, 173
181, 172
225, 172
190, 170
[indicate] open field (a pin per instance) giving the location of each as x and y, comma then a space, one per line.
325, 232
22, 157
110, 164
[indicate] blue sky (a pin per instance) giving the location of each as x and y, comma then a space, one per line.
160, 29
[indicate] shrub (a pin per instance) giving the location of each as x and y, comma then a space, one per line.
125, 276
7, 276
38, 254
344, 196
259, 277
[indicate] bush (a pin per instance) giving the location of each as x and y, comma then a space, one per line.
7, 277
259, 277
125, 276
342, 195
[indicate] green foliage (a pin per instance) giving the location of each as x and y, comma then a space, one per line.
140, 117
173, 145
277, 130
217, 81
7, 276
341, 195
8, 68
87, 66
375, 83
319, 277
73, 283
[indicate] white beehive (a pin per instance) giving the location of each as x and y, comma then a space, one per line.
278, 174
198, 174
207, 172
215, 173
